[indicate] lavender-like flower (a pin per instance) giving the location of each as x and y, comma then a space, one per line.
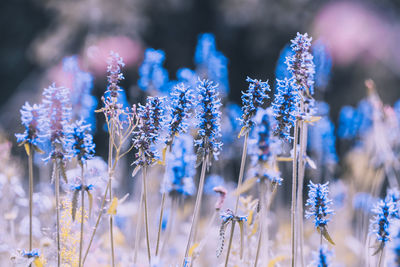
31, 117
57, 114
393, 194
322, 258
151, 118
384, 212
81, 142
180, 170
114, 69
152, 74
181, 102
285, 107
319, 204
253, 99
301, 64
209, 116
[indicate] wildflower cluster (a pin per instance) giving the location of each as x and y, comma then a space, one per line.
181, 102
384, 212
81, 142
180, 170
301, 65
285, 107
31, 117
253, 99
322, 258
151, 118
152, 74
209, 117
319, 204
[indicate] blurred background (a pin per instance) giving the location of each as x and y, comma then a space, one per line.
361, 38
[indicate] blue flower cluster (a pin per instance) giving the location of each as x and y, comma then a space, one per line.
323, 64
319, 204
152, 74
393, 194
82, 84
209, 116
34, 253
301, 64
151, 118
57, 114
181, 102
285, 107
323, 257
81, 142
211, 64
180, 170
228, 215
31, 117
355, 122
253, 99
384, 212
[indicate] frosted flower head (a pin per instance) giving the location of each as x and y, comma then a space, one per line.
301, 64
209, 116
285, 107
384, 212
115, 64
81, 142
253, 99
181, 102
319, 204
31, 117
323, 257
152, 74
151, 119
180, 170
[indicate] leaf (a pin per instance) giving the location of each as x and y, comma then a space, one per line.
241, 238
38, 262
112, 210
379, 249
164, 154
74, 204
27, 149
38, 150
311, 163
135, 171
192, 249
255, 228
63, 173
247, 185
242, 132
284, 159
313, 119
90, 197
275, 260
326, 235
250, 218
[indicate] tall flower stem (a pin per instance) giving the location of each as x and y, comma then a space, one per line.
303, 144
170, 223
138, 227
146, 222
110, 176
196, 207
294, 185
56, 173
262, 218
241, 171
82, 215
30, 163
240, 180
160, 221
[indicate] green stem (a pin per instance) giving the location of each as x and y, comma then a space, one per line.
145, 213
303, 143
293, 208
57, 192
241, 171
196, 207
170, 223
138, 227
228, 252
82, 214
160, 222
30, 160
262, 218
112, 230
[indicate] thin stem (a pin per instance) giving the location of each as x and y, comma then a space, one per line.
303, 143
196, 207
111, 143
294, 181
111, 230
138, 227
228, 252
82, 215
146, 219
261, 219
170, 223
57, 192
103, 202
160, 221
381, 257
30, 163
241, 172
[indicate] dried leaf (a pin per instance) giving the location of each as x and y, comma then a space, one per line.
247, 185
313, 119
38, 262
27, 149
192, 249
63, 173
250, 218
38, 150
74, 204
379, 249
284, 159
242, 132
311, 163
326, 235
112, 210
275, 260
136, 170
